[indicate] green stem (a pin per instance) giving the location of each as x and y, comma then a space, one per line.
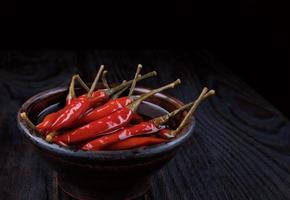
71, 93
135, 104
135, 80
24, 117
51, 135
82, 83
96, 81
104, 80
128, 83
163, 119
187, 118
116, 95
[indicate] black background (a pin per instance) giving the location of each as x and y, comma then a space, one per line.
250, 37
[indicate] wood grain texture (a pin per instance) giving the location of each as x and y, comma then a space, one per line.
240, 148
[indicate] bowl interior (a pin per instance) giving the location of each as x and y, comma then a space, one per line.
153, 107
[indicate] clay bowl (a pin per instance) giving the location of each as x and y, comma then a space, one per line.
104, 174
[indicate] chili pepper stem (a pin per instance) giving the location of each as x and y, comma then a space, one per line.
116, 95
82, 83
187, 118
50, 136
96, 81
134, 105
71, 93
24, 117
128, 83
164, 118
135, 80
104, 80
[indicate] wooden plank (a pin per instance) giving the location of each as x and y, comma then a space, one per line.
23, 175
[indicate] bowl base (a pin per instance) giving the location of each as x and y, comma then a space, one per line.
125, 192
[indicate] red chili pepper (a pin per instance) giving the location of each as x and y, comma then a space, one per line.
96, 98
136, 142
115, 121
151, 126
109, 123
111, 106
71, 113
148, 127
104, 110
50, 118
60, 119
77, 106
46, 123
142, 128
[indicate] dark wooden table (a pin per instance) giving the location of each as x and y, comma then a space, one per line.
240, 148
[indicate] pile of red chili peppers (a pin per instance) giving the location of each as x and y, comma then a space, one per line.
104, 120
